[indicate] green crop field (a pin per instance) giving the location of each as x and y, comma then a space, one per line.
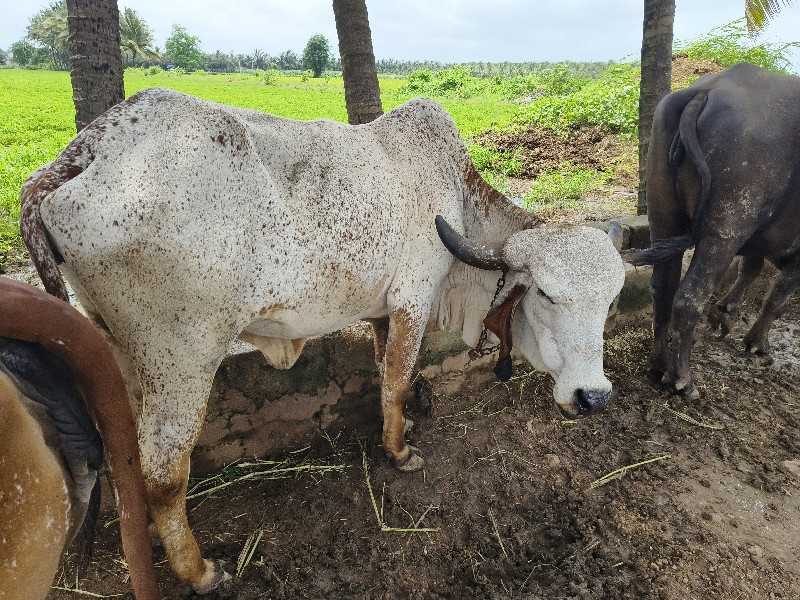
37, 115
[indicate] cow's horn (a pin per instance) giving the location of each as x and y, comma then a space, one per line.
481, 256
615, 233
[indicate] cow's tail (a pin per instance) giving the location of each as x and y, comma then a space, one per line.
46, 260
684, 143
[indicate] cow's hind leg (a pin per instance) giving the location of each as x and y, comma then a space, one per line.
723, 314
782, 287
404, 337
173, 410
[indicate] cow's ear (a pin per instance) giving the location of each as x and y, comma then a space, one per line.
498, 321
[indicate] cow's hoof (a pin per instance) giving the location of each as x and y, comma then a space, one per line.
688, 391
412, 462
408, 425
214, 577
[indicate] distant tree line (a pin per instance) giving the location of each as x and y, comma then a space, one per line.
45, 47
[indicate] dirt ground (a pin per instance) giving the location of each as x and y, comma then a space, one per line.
510, 489
515, 501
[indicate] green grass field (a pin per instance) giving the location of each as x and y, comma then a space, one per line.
37, 116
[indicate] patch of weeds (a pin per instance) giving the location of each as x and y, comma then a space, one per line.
562, 187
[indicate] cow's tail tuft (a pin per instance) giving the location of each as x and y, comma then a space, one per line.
660, 252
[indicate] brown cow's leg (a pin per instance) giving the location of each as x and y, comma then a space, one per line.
711, 260
783, 286
723, 313
168, 509
663, 284
402, 347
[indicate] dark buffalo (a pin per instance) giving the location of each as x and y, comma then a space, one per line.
722, 176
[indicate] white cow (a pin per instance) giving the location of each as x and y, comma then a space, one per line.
184, 225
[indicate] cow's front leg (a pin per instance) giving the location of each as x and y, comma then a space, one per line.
723, 314
663, 284
402, 347
785, 283
711, 260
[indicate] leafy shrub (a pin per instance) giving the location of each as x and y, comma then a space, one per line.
199, 72
306, 75
153, 70
270, 77
731, 44
611, 101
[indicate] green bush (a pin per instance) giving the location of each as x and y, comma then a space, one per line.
611, 102
731, 44
153, 70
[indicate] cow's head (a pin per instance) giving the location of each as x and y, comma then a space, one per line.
560, 282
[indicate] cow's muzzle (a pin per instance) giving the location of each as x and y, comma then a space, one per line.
586, 403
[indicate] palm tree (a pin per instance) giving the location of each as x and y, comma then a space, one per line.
657, 65
759, 13
135, 36
361, 91
95, 57
659, 17
49, 28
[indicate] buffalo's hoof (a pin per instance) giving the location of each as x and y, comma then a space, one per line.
721, 317
754, 345
214, 577
408, 425
412, 462
687, 390
655, 375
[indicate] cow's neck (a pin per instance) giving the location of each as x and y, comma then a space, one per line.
467, 292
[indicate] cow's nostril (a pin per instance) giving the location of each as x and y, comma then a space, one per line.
584, 404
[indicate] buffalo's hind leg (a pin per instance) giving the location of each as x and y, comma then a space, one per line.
663, 284
723, 314
782, 287
711, 260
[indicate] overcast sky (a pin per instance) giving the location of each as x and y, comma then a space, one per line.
442, 30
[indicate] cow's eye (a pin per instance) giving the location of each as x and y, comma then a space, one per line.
545, 296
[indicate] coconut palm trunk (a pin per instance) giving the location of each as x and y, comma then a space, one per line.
659, 16
95, 58
361, 91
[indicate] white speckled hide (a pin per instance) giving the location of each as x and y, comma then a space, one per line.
185, 224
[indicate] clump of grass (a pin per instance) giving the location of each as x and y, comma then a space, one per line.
562, 187
255, 470
617, 473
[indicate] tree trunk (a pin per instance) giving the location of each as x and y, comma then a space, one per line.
361, 91
95, 58
659, 16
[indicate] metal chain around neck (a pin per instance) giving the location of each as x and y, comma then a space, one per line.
480, 350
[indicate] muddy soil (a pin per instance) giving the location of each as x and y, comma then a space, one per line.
511, 492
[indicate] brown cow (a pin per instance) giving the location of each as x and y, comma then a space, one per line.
43, 496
